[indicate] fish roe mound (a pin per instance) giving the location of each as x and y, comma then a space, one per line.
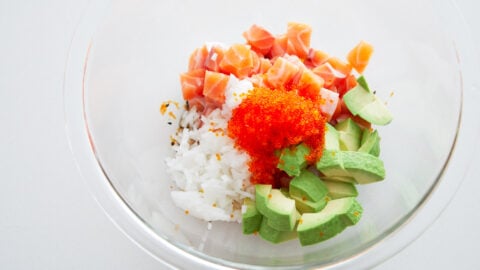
268, 120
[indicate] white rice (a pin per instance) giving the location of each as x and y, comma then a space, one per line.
210, 175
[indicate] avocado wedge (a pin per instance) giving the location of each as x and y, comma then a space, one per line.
364, 168
331, 138
350, 135
251, 218
333, 219
267, 232
370, 142
337, 189
292, 160
367, 105
309, 186
277, 207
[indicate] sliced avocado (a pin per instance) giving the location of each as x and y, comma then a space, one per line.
281, 211
366, 132
376, 113
275, 205
262, 193
370, 143
367, 105
345, 179
363, 82
273, 235
344, 165
297, 216
337, 190
329, 159
292, 160
354, 213
305, 206
375, 151
317, 227
309, 186
331, 138
356, 98
349, 135
331, 164
251, 218
365, 168
333, 219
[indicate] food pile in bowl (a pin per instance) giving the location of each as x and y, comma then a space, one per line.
276, 135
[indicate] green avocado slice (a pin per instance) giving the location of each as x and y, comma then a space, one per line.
364, 168
330, 159
309, 186
277, 207
261, 198
292, 160
317, 227
343, 179
331, 138
333, 219
282, 212
363, 82
356, 98
350, 135
273, 235
337, 189
370, 142
376, 113
251, 218
367, 105
305, 206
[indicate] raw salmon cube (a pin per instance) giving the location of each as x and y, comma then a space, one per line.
192, 83
214, 87
259, 38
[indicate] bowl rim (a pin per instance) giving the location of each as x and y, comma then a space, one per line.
119, 212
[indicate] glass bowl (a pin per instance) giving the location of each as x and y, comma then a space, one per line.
125, 61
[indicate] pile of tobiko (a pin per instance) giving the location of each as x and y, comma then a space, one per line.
276, 135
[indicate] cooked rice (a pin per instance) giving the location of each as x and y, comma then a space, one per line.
210, 175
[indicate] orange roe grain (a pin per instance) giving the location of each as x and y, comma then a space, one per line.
269, 120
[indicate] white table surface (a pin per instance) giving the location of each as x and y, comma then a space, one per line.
48, 218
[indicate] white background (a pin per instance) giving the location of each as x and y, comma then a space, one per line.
49, 220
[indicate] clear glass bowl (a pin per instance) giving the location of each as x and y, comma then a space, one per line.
125, 60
